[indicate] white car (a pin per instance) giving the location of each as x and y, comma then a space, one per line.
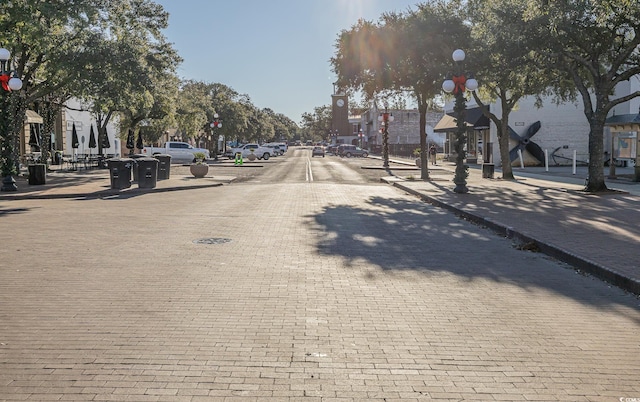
259, 151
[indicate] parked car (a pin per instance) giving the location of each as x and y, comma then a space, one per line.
351, 150
181, 152
277, 151
259, 151
317, 151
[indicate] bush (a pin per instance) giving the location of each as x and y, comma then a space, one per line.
199, 157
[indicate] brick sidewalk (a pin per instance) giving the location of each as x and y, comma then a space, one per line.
597, 234
96, 183
314, 291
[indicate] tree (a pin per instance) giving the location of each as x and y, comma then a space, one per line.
134, 74
406, 52
503, 58
192, 107
284, 128
51, 44
316, 125
595, 44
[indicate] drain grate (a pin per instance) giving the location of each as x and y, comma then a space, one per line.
212, 240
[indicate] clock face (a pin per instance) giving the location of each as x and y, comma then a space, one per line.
340, 103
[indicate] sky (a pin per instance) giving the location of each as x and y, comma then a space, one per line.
275, 51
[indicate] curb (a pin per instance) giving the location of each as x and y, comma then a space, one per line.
581, 264
105, 193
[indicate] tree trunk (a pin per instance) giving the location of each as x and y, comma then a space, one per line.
424, 166
503, 144
595, 180
49, 111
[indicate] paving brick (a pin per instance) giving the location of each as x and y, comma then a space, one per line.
326, 291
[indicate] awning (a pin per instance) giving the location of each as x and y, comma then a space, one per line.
33, 117
623, 119
446, 123
473, 117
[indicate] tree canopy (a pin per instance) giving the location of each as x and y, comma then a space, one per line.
402, 52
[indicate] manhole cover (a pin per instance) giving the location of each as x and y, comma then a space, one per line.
212, 240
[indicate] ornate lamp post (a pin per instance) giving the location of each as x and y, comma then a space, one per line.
457, 84
333, 136
9, 82
384, 119
216, 123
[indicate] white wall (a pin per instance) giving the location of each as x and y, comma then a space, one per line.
561, 125
83, 121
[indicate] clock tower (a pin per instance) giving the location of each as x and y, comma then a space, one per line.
340, 115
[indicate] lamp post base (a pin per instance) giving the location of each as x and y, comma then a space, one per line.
9, 184
461, 188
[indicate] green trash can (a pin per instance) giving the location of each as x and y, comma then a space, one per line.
147, 172
164, 166
120, 172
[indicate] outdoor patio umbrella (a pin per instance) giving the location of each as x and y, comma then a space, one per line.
130, 141
92, 139
139, 143
74, 137
105, 141
34, 137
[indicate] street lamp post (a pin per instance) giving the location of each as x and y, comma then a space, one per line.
384, 119
216, 123
8, 164
333, 137
457, 84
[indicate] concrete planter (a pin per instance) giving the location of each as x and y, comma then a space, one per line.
199, 170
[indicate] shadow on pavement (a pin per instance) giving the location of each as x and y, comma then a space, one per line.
12, 211
409, 236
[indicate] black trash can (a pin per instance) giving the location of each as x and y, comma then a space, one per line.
57, 158
147, 172
487, 170
38, 173
164, 166
120, 172
134, 168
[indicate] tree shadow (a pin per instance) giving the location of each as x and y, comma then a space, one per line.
13, 211
400, 235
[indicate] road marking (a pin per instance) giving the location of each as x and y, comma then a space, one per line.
309, 173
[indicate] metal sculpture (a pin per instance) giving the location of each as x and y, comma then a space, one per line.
525, 143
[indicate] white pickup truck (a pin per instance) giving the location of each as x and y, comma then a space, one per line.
181, 152
259, 151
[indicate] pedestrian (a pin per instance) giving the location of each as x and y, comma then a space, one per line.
432, 153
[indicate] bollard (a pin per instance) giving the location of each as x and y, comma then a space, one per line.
521, 159
546, 160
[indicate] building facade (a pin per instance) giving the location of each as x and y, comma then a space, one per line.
61, 138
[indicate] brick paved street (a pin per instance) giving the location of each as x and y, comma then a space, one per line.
311, 291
